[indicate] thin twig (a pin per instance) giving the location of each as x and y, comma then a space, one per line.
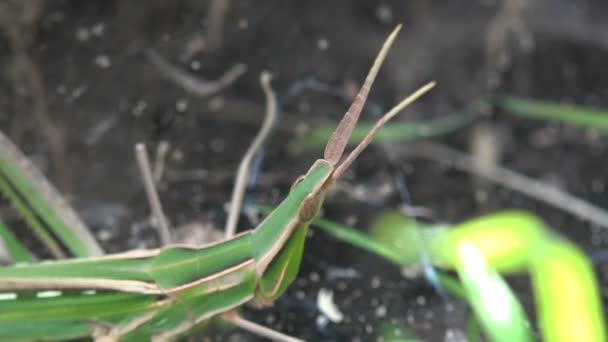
260, 330
195, 86
513, 180
242, 176
215, 23
159, 162
141, 155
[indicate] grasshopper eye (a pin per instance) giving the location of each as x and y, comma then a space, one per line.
309, 208
296, 182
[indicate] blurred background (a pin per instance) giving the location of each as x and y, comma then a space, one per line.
82, 81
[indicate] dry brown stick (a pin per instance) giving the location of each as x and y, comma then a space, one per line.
151, 193
242, 176
540, 191
191, 84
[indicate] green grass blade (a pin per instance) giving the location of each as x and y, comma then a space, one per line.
15, 249
360, 240
403, 235
32, 221
568, 298
505, 239
391, 132
452, 286
46, 201
582, 116
493, 302
351, 236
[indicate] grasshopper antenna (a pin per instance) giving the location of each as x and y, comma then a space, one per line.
383, 120
339, 139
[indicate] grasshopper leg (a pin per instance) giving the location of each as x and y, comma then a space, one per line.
236, 319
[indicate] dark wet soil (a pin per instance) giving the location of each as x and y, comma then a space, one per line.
104, 95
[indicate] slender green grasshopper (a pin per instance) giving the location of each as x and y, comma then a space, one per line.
162, 294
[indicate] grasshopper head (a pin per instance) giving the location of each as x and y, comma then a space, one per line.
337, 143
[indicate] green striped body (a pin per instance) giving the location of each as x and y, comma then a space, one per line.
175, 299
161, 293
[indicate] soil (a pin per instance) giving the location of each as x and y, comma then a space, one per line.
103, 95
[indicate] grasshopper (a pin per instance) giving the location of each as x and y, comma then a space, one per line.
163, 294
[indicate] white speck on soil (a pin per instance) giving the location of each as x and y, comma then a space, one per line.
454, 335
327, 306
195, 65
103, 61
243, 24
104, 235
380, 311
375, 283
410, 318
384, 13
181, 105
98, 29
76, 93
351, 220
216, 103
139, 108
83, 34
323, 44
